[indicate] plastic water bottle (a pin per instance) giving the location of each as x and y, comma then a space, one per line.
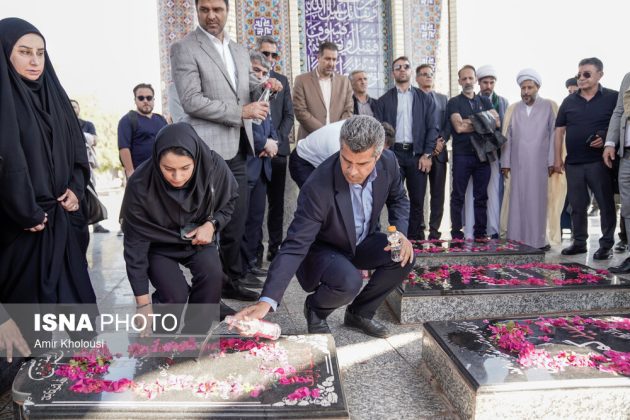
264, 97
395, 243
255, 328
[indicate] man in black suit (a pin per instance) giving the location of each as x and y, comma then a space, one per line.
413, 115
333, 235
437, 176
282, 118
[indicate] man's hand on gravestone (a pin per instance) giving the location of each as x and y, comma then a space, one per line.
255, 311
10, 337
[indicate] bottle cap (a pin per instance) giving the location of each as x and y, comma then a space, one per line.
391, 229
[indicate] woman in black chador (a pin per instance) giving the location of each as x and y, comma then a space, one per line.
174, 205
42, 182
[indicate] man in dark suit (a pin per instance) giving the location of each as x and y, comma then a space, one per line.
413, 115
282, 118
363, 104
437, 176
333, 235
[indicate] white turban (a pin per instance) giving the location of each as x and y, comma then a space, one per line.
529, 74
486, 71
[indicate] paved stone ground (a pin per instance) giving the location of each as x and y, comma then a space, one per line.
383, 378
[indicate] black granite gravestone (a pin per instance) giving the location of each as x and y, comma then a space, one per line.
556, 367
496, 290
431, 253
294, 377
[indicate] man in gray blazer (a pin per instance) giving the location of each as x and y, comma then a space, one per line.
618, 138
215, 85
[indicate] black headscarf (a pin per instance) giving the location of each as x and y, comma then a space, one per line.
156, 211
44, 154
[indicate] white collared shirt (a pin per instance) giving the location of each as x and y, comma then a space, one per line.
326, 86
223, 48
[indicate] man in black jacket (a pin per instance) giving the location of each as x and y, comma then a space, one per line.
363, 104
282, 119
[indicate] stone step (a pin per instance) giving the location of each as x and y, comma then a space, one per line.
542, 377
235, 377
431, 253
451, 292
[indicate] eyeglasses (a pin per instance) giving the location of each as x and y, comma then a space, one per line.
586, 75
399, 67
271, 54
142, 98
426, 74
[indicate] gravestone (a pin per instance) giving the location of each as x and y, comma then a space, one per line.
293, 377
497, 290
573, 367
430, 253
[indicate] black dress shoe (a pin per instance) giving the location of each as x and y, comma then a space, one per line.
623, 268
621, 246
250, 280
258, 272
574, 250
100, 229
603, 254
368, 326
314, 323
225, 310
234, 290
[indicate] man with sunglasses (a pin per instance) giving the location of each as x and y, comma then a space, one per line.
138, 128
414, 116
582, 122
437, 176
282, 118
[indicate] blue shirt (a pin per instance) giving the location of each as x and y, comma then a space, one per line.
361, 197
404, 116
139, 141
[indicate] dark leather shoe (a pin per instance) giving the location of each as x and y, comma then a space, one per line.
225, 310
574, 250
603, 254
234, 290
314, 323
258, 272
100, 229
368, 326
623, 268
250, 280
621, 246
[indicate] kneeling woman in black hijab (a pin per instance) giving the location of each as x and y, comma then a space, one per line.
174, 205
45, 170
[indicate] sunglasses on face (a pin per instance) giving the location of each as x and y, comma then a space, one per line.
271, 54
142, 98
426, 74
586, 75
399, 67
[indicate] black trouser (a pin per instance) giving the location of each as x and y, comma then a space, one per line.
253, 225
465, 166
275, 198
437, 183
299, 169
341, 281
171, 286
232, 233
416, 182
597, 177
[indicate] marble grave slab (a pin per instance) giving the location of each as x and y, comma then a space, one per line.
431, 253
498, 290
294, 377
560, 368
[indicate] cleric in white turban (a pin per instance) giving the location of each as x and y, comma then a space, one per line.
529, 74
486, 71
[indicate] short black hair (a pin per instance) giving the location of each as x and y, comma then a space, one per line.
423, 66
265, 39
227, 4
143, 86
401, 58
593, 61
327, 46
570, 82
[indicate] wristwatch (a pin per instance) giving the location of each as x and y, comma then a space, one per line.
427, 155
214, 223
